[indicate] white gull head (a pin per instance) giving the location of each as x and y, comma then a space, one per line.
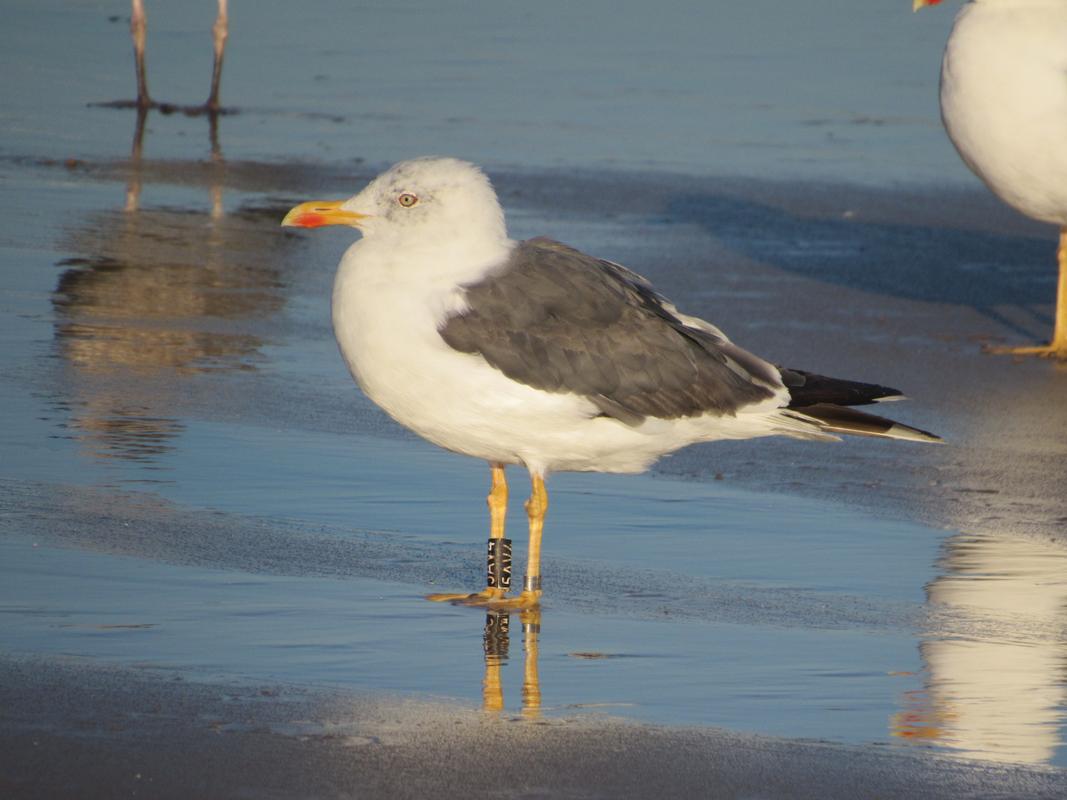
429, 218
429, 199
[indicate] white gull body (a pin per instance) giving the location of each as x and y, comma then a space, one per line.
1004, 100
397, 285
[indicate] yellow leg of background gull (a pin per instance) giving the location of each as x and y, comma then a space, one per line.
1058, 347
498, 508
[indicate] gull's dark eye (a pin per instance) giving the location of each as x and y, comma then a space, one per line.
407, 199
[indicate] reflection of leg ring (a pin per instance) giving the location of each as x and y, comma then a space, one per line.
531, 583
495, 637
498, 564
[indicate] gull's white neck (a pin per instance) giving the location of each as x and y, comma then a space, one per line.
423, 265
390, 296
389, 300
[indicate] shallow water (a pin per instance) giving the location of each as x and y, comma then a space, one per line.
381, 634
190, 482
820, 89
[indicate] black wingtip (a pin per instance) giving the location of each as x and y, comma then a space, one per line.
809, 389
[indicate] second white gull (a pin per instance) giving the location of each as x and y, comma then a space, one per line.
1004, 105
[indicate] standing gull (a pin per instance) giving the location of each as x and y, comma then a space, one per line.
1004, 105
534, 353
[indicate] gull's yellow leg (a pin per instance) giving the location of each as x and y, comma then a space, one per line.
531, 682
499, 555
536, 507
1059, 336
1058, 347
498, 502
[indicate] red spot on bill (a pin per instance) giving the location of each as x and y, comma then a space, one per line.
309, 219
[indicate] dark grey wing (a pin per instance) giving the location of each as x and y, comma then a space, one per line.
556, 319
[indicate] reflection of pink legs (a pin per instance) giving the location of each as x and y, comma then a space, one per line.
139, 31
133, 186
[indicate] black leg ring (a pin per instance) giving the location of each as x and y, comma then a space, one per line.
498, 564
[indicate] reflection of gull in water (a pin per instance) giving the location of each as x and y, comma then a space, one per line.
997, 665
135, 181
145, 296
153, 298
995, 653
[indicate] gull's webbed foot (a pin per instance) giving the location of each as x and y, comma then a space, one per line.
485, 597
525, 600
1054, 350
492, 599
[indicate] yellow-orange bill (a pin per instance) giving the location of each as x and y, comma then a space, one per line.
321, 212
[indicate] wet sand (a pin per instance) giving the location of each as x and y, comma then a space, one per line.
146, 734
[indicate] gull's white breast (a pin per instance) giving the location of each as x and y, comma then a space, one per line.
1004, 101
